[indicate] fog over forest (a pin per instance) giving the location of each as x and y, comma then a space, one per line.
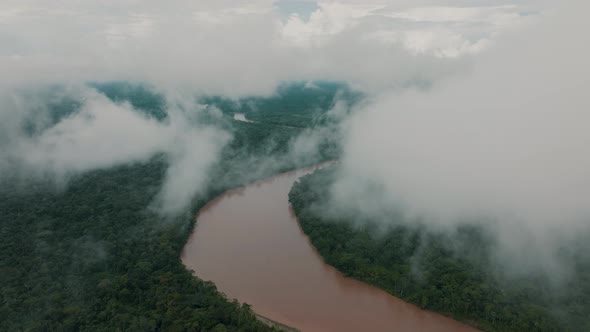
472, 112
506, 145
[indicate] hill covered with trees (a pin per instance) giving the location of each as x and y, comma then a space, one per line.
95, 256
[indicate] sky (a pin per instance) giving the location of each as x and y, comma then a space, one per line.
238, 48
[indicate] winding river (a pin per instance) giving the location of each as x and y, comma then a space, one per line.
248, 242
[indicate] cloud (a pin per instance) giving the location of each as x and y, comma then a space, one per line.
209, 47
446, 31
103, 134
506, 145
192, 154
221, 47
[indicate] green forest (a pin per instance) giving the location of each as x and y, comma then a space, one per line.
292, 104
93, 256
420, 266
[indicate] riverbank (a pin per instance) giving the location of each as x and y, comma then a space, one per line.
419, 266
249, 243
277, 325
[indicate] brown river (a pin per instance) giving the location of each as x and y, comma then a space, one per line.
248, 242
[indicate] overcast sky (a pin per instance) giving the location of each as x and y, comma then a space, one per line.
239, 47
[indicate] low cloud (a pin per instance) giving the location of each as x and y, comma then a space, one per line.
102, 134
220, 47
506, 146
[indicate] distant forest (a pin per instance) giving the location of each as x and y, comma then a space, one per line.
420, 266
93, 257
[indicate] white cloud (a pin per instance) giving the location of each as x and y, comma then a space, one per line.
443, 31
222, 47
228, 47
103, 134
509, 142
135, 26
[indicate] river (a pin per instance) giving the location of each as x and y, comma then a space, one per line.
249, 243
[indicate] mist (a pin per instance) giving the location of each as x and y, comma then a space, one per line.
185, 49
220, 47
103, 134
505, 146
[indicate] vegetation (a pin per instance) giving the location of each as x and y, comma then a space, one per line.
94, 256
447, 273
140, 96
294, 105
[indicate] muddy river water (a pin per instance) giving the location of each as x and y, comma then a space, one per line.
248, 242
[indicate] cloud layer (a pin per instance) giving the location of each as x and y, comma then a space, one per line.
239, 49
103, 134
466, 140
508, 145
